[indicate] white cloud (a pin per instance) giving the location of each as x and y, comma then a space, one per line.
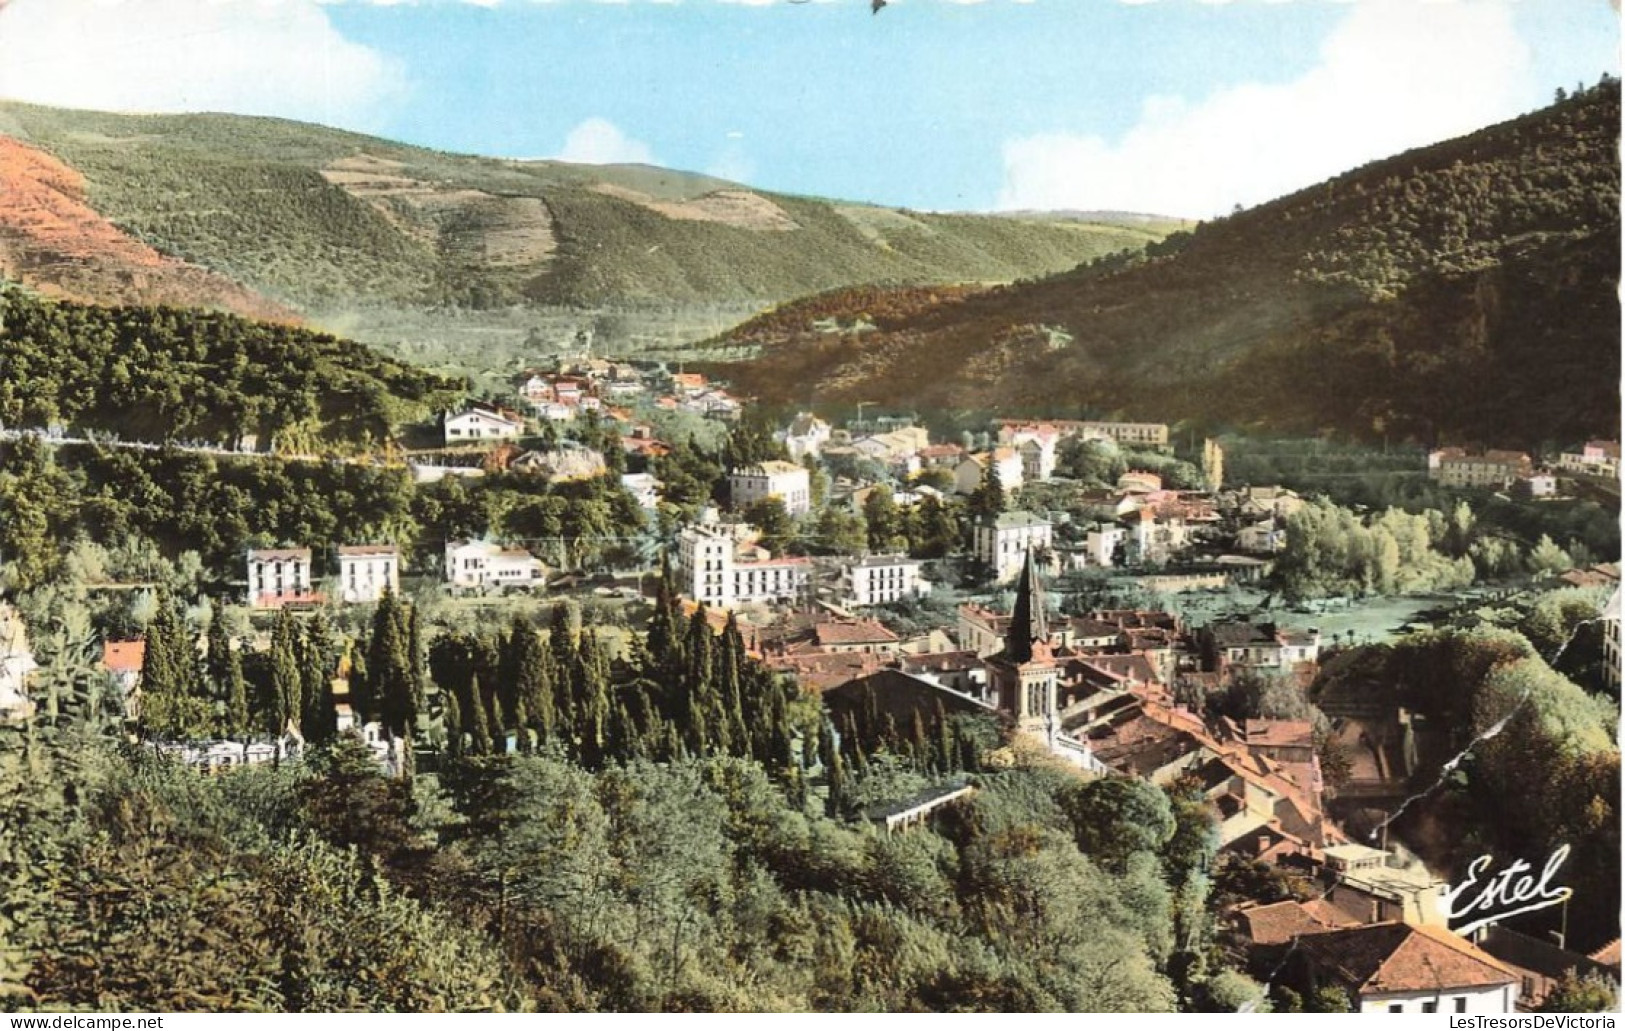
598, 141
269, 57
1393, 74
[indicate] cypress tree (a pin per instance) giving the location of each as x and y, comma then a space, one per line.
919, 744
390, 667
527, 665
317, 719
363, 700
594, 710
451, 719
479, 731
218, 657
238, 720
947, 754
287, 684
522, 724
734, 735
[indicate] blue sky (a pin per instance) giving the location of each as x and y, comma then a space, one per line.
1174, 106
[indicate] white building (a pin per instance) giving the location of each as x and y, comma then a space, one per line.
786, 481
1003, 542
1101, 543
717, 569
644, 487
278, 576
883, 579
479, 424
806, 435
1036, 443
1596, 458
367, 570
472, 564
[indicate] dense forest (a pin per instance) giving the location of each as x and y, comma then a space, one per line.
1463, 292
162, 374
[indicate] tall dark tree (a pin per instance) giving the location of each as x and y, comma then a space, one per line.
287, 682
392, 671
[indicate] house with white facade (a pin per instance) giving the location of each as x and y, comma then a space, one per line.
1003, 542
883, 579
1036, 443
477, 424
644, 487
1101, 544
280, 576
806, 435
367, 570
1596, 458
483, 564
786, 481
718, 567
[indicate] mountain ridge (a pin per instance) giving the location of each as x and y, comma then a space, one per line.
332, 226
1424, 280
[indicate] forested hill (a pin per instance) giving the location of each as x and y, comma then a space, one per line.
1460, 292
157, 374
321, 220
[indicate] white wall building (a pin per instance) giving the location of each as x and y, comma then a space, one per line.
1101, 543
479, 424
366, 570
785, 480
277, 576
806, 436
714, 573
1003, 542
883, 579
471, 564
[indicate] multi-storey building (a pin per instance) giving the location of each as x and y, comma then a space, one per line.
786, 481
474, 564
883, 579
280, 576
717, 567
1004, 541
367, 570
1453, 467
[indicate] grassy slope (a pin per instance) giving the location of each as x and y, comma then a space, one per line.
1463, 291
247, 197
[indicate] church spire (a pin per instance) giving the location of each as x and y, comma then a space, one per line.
1028, 625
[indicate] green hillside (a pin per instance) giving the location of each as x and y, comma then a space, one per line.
358, 232
1461, 292
157, 374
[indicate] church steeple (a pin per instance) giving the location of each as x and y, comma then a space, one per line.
1028, 625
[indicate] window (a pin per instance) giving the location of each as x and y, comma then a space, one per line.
1396, 1007
1461, 1004
1431, 1006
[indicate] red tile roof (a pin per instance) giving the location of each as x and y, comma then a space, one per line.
123, 656
1280, 922
1396, 957
865, 631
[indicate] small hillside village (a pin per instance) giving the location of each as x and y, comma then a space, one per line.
975, 624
